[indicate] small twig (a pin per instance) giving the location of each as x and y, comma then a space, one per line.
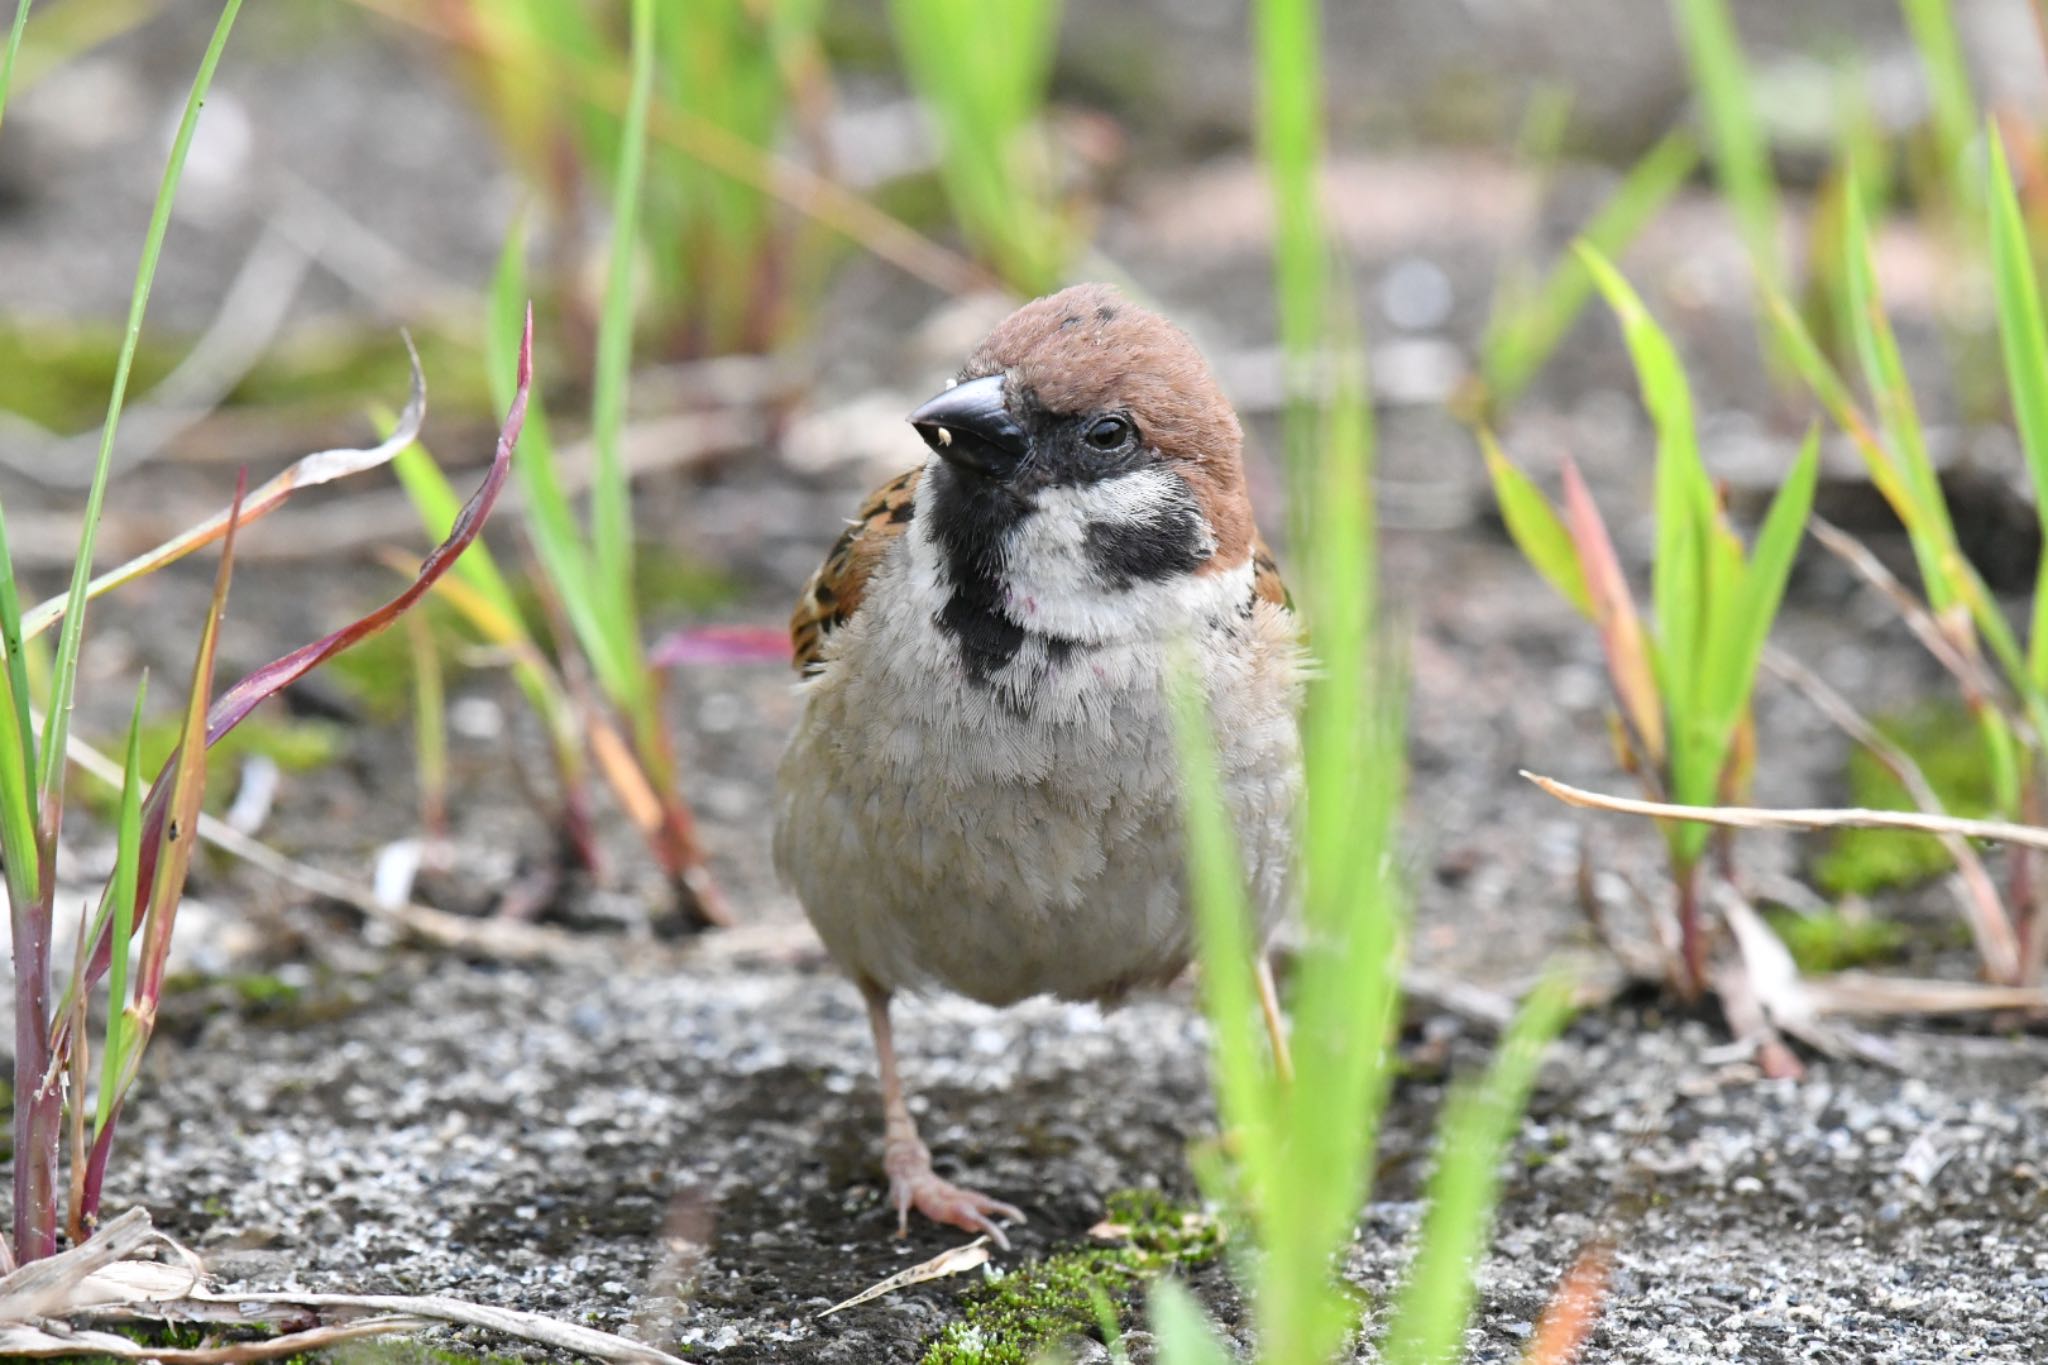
496, 939
1753, 817
508, 1321
1884, 996
1979, 687
1984, 910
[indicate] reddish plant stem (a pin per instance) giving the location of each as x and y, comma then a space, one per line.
2023, 888
38, 1114
1692, 939
675, 842
95, 1175
579, 827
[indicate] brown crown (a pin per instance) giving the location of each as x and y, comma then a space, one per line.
1089, 349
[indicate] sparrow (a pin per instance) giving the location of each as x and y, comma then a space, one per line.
981, 792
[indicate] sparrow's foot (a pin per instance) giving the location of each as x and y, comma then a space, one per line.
913, 1185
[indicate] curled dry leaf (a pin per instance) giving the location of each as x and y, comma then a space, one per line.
323, 466
45, 1288
957, 1261
100, 1279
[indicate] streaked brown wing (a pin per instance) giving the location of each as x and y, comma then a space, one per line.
1266, 582
834, 593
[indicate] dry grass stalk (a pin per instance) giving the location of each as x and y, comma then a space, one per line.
1983, 908
102, 1281
1754, 817
1962, 662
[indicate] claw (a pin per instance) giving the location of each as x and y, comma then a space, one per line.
912, 1184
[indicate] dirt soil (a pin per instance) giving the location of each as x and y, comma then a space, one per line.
679, 1140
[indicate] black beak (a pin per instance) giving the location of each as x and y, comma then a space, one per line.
969, 427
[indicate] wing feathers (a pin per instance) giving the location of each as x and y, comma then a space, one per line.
835, 591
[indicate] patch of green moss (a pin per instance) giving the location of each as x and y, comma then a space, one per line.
670, 583
58, 375
1831, 942
254, 990
1947, 744
1010, 1318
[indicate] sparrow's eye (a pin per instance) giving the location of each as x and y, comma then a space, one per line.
1108, 433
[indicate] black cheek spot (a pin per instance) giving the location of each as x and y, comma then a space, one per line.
825, 597
902, 512
1106, 313
1124, 553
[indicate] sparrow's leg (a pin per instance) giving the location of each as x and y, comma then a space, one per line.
1276, 1022
908, 1162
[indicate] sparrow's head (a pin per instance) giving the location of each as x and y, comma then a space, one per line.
1086, 444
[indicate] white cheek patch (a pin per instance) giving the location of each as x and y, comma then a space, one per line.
1056, 586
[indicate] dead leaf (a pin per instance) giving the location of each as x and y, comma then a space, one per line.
958, 1261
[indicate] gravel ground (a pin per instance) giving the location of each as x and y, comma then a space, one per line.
688, 1156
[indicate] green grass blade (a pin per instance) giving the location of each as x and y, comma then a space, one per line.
1954, 108
13, 50
1742, 157
557, 537
1828, 386
18, 810
127, 859
1291, 145
429, 726
18, 823
1521, 340
57, 725
1479, 1124
1182, 1328
1885, 373
611, 497
1227, 950
1344, 995
1537, 529
1763, 585
982, 72
2024, 337
1687, 510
